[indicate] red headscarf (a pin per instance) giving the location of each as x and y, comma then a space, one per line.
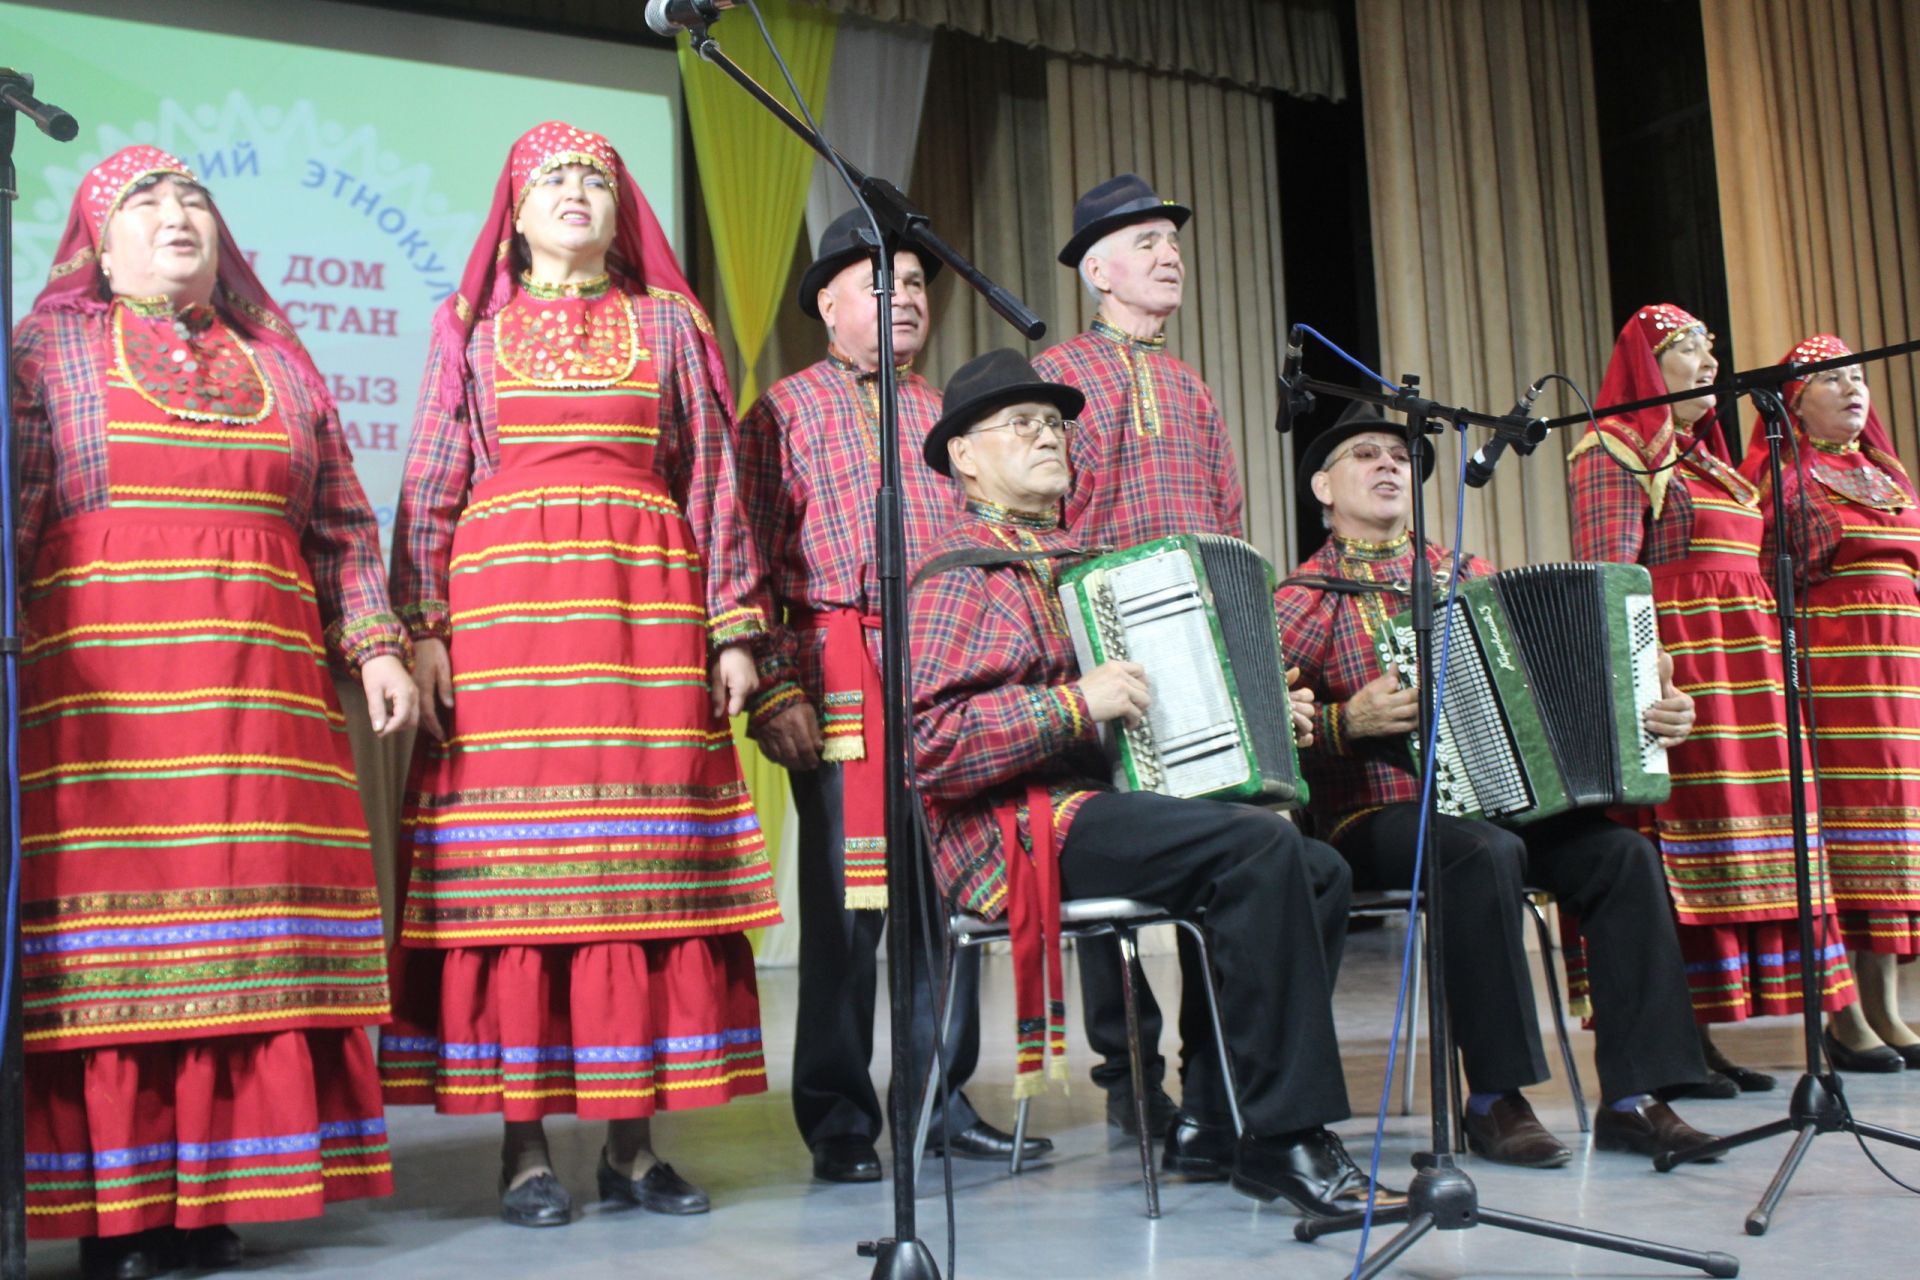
76, 283
1644, 439
1874, 440
641, 260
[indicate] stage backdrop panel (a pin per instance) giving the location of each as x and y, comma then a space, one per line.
353, 151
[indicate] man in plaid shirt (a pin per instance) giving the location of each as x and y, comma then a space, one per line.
1006, 740
808, 464
1152, 458
1366, 801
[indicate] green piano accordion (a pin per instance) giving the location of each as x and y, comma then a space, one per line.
1197, 612
1550, 670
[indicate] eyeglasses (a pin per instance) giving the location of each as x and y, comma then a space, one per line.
1029, 429
1366, 453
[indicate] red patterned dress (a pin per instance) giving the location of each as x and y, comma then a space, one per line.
1862, 561
1725, 835
201, 935
585, 857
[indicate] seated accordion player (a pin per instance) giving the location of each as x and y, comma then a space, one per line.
1197, 612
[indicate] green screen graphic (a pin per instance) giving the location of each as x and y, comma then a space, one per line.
353, 152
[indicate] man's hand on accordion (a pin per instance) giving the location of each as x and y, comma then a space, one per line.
1302, 709
1116, 691
1381, 708
1669, 720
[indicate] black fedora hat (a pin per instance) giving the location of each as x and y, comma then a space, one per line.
1114, 204
1357, 419
847, 239
985, 383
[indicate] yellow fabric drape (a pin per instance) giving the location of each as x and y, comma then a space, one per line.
753, 171
1816, 139
753, 177
1490, 253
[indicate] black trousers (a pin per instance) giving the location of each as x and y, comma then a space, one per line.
1274, 907
1106, 1018
833, 1093
1644, 1038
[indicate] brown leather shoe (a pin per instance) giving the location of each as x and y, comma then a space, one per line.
1511, 1134
1647, 1130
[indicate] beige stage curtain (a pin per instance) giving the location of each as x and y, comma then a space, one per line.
1816, 132
1011, 139
1290, 46
1489, 246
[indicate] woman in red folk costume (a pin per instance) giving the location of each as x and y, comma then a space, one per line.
200, 928
584, 853
1655, 487
1854, 531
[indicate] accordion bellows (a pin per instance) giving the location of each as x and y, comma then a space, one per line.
1550, 668
1197, 612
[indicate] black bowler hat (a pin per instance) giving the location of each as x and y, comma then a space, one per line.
985, 383
1113, 204
848, 239
1358, 419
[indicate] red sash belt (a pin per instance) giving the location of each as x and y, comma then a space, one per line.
855, 741
1033, 918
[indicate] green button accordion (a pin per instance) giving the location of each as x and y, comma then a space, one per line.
1550, 670
1197, 612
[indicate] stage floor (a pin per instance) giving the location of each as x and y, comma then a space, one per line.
1081, 1214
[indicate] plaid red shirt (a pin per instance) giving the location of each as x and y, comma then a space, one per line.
60, 423
1152, 456
996, 702
451, 452
1613, 518
809, 463
1330, 636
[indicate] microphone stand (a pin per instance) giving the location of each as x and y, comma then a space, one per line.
16, 99
901, 1256
1442, 1197
1817, 1105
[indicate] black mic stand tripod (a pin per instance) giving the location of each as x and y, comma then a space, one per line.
1817, 1105
1442, 1197
901, 1256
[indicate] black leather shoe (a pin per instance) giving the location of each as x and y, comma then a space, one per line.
1202, 1152
1719, 1086
1647, 1130
846, 1160
981, 1141
1880, 1058
212, 1248
1311, 1171
1746, 1079
659, 1190
540, 1201
1910, 1053
128, 1257
1161, 1110
1511, 1134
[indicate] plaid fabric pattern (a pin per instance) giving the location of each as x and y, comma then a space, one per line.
1329, 635
997, 706
452, 451
60, 422
809, 463
1172, 473
1611, 514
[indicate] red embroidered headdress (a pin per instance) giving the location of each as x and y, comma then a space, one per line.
1874, 440
641, 260
1645, 438
76, 283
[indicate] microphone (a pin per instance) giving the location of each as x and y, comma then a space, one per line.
16, 93
1523, 436
670, 17
1292, 402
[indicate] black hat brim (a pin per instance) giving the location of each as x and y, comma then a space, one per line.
821, 271
1321, 447
957, 419
1088, 236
